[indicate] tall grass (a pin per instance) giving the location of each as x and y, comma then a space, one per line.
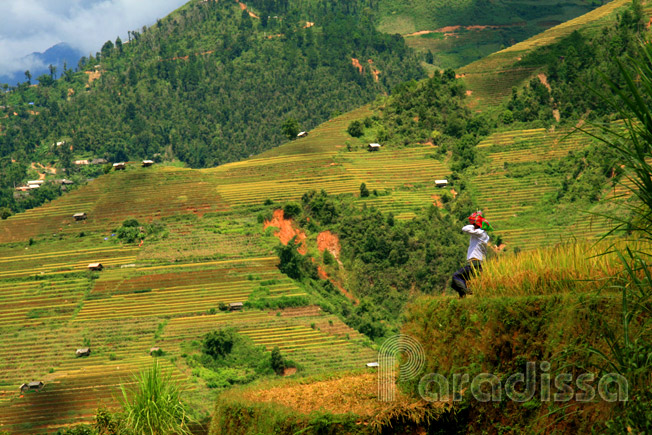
154, 406
572, 267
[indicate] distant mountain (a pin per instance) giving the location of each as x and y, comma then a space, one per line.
55, 55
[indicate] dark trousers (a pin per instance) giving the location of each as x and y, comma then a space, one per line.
458, 283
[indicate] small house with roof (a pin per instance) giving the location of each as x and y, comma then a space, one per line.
32, 386
236, 306
95, 266
373, 147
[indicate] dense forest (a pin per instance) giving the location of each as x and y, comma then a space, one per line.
191, 86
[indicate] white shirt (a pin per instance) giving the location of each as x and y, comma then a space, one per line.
478, 243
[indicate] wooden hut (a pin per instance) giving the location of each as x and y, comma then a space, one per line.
95, 266
79, 216
84, 351
236, 306
373, 147
32, 386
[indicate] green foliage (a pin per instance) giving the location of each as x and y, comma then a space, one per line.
633, 146
328, 258
293, 264
364, 192
82, 429
218, 344
131, 231
574, 65
355, 129
277, 362
291, 210
290, 128
154, 406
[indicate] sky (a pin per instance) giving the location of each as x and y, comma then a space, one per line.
28, 26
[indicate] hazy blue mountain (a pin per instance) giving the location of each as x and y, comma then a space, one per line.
55, 55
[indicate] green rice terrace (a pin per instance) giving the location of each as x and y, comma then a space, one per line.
167, 292
204, 242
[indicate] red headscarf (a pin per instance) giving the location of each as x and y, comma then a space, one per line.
479, 221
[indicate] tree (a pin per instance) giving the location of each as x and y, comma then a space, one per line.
290, 128
277, 361
355, 129
364, 192
219, 344
107, 48
118, 44
53, 71
28, 76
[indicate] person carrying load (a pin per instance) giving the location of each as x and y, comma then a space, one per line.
477, 229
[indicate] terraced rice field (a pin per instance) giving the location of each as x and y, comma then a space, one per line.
491, 79
316, 341
140, 193
516, 204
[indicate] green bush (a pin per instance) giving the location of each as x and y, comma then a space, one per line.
154, 404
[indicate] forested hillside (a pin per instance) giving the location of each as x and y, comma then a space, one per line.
211, 83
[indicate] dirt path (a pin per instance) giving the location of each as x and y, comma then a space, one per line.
450, 30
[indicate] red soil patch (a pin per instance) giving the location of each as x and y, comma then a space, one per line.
328, 240
286, 231
374, 71
437, 201
469, 92
356, 63
308, 24
454, 193
244, 8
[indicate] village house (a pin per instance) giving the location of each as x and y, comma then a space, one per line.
31, 386
441, 183
84, 351
374, 147
236, 306
79, 216
147, 163
121, 166
95, 266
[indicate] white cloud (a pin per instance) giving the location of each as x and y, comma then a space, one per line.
28, 26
